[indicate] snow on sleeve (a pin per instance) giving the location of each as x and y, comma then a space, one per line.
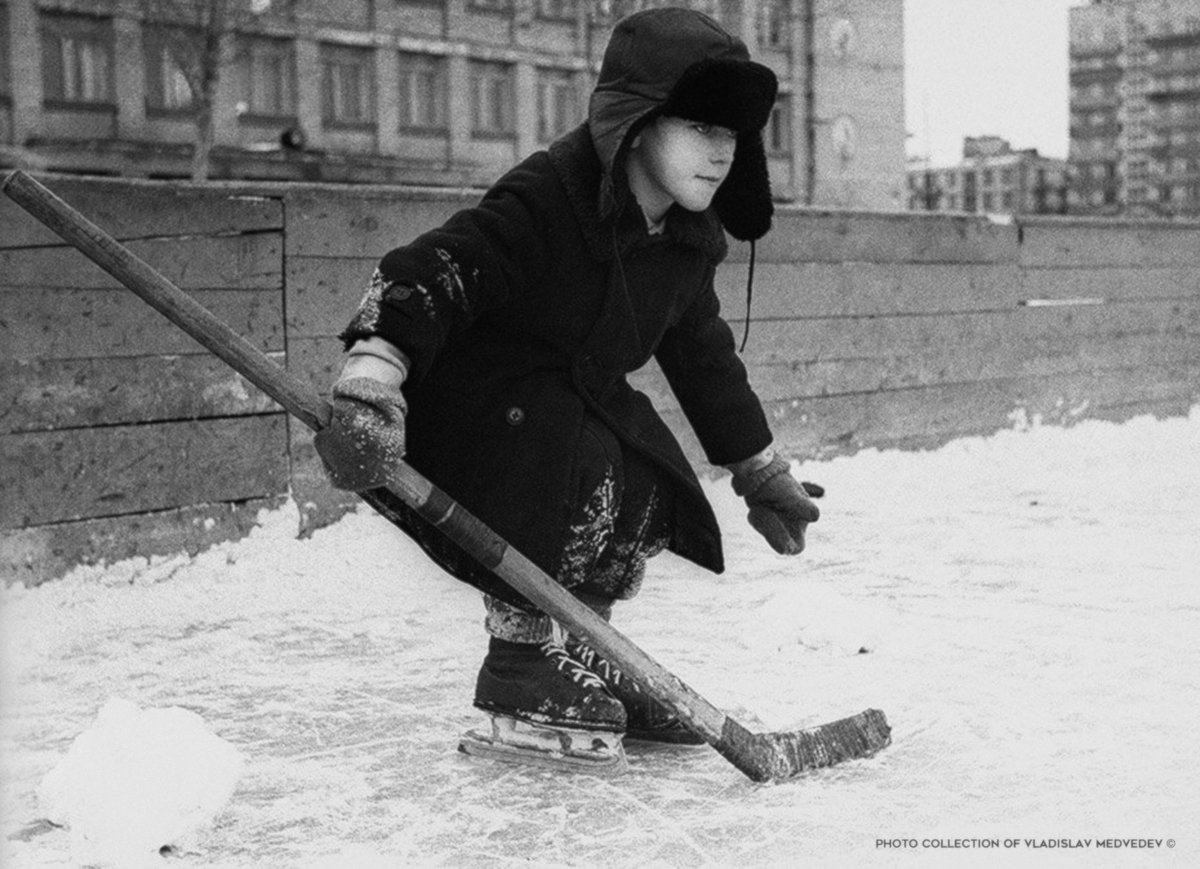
137, 781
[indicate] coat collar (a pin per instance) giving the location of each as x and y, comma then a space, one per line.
578, 167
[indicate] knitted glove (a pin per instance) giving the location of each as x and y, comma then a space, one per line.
365, 435
780, 509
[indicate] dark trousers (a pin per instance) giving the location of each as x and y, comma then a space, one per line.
619, 518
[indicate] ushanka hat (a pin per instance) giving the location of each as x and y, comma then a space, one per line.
681, 63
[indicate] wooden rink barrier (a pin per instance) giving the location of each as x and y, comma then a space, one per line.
119, 436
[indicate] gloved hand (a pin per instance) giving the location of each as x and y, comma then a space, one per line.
780, 509
365, 435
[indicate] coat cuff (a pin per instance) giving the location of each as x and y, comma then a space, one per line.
746, 484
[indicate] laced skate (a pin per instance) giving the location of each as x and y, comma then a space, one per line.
647, 719
546, 709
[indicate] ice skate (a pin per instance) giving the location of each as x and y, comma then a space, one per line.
547, 709
647, 719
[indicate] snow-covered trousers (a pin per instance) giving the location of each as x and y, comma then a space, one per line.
619, 517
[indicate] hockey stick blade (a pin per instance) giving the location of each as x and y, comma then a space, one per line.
762, 757
780, 756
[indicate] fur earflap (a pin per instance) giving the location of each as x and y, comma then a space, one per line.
743, 201
727, 92
677, 62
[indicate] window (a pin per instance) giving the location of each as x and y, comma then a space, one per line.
988, 202
267, 71
779, 127
557, 10
558, 103
490, 5
347, 85
77, 59
167, 88
987, 176
492, 99
5, 81
422, 92
773, 24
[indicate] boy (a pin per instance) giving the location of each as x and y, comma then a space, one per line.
492, 352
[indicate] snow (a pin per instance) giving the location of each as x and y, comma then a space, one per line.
1022, 606
111, 791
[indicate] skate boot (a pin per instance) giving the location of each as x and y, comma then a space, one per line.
546, 709
647, 719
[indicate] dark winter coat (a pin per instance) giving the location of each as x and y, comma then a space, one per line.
525, 313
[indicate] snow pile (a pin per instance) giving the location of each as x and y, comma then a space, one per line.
139, 781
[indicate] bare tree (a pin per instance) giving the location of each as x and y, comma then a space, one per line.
194, 37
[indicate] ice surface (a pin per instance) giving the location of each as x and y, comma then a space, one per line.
1028, 602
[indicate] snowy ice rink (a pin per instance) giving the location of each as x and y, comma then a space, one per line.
1024, 607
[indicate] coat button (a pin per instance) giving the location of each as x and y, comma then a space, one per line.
514, 416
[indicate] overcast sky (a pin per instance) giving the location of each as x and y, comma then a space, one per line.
981, 67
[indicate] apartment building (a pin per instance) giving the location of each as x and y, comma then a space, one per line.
991, 178
1135, 107
434, 92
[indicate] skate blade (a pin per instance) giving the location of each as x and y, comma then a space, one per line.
667, 738
521, 742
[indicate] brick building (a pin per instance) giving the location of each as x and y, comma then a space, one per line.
992, 178
433, 92
1135, 107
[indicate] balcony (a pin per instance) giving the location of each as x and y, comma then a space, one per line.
1174, 40
1162, 91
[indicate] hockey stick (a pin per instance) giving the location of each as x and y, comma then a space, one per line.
761, 756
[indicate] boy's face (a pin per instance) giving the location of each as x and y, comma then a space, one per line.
681, 161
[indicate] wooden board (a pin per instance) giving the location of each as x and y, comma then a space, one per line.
323, 293
73, 393
244, 261
113, 470
317, 361
132, 209
856, 337
1094, 243
75, 324
33, 555
1111, 283
842, 289
364, 225
929, 416
926, 417
813, 235
781, 379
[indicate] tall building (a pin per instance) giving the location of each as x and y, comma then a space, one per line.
435, 92
1135, 107
992, 178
